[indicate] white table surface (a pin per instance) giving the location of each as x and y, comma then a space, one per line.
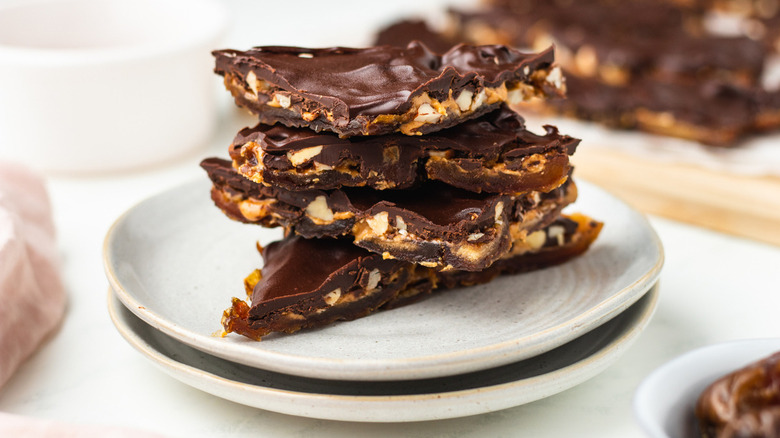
714, 288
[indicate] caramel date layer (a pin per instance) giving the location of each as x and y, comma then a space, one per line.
383, 89
493, 153
745, 403
435, 224
293, 292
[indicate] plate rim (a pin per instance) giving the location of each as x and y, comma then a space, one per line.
387, 408
389, 369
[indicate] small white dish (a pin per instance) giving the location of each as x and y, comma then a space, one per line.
664, 402
430, 399
176, 260
100, 85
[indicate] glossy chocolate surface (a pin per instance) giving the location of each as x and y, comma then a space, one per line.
291, 295
293, 270
354, 86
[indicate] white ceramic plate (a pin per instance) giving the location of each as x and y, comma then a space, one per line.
175, 260
429, 399
664, 402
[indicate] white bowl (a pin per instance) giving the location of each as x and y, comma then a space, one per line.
665, 400
101, 85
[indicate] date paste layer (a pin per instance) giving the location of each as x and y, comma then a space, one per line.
383, 89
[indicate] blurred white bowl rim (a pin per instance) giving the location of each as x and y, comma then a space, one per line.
102, 85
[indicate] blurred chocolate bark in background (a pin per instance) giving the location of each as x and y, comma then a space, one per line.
647, 65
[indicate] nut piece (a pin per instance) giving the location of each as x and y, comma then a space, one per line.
464, 100
557, 232
251, 80
254, 210
319, 211
332, 296
536, 239
555, 77
499, 211
513, 97
379, 223
303, 155
400, 225
480, 99
373, 280
534, 163
475, 236
284, 100
426, 114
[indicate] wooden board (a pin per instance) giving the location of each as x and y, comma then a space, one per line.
745, 206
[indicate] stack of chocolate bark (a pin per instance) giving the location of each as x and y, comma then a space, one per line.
394, 171
636, 64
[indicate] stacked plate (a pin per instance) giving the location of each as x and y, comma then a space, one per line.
174, 262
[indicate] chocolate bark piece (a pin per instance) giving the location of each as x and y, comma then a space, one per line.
435, 224
768, 30
682, 94
711, 112
565, 238
402, 32
744, 403
494, 153
307, 283
383, 89
618, 42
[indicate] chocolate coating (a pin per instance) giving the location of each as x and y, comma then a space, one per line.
494, 153
710, 112
434, 224
291, 274
374, 90
292, 294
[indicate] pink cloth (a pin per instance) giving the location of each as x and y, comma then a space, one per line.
18, 426
32, 298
